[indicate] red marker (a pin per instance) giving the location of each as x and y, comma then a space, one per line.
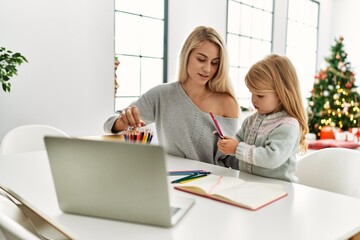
217, 125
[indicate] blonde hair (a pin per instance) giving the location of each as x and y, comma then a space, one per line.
277, 74
200, 35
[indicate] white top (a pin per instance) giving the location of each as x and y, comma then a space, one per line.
306, 213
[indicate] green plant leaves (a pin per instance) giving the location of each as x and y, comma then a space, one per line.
8, 63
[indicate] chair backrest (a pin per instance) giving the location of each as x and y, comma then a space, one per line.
13, 224
28, 138
332, 169
11, 230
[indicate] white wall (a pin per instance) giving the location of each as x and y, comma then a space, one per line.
345, 20
68, 82
339, 18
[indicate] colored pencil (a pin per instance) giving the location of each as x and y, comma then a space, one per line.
188, 177
216, 124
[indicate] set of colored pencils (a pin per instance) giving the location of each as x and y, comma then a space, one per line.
137, 135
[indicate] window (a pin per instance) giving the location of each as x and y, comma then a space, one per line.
249, 39
140, 47
301, 41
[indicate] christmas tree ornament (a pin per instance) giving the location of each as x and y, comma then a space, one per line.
348, 85
346, 108
327, 105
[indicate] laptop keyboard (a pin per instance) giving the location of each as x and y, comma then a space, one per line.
174, 210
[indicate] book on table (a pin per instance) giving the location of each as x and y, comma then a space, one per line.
234, 191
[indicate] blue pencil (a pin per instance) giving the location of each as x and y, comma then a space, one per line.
191, 172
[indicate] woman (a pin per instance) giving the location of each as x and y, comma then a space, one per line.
181, 109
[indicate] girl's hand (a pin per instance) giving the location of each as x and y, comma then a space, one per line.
228, 145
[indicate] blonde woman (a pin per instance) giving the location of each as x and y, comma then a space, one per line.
269, 139
181, 109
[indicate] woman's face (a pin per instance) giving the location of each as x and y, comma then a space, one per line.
203, 63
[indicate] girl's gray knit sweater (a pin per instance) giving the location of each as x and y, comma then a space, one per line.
268, 146
182, 128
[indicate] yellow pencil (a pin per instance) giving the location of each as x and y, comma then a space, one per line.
145, 136
193, 178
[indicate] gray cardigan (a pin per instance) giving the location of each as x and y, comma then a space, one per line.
182, 128
268, 146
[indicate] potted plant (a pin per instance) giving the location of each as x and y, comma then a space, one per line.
8, 63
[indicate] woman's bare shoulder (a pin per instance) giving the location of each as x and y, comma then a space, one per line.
230, 107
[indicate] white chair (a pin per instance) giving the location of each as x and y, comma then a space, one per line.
13, 223
28, 138
11, 230
332, 169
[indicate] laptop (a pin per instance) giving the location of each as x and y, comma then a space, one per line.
115, 180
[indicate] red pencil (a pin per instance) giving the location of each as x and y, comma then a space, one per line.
216, 124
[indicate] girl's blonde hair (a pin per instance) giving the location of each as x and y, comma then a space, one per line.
221, 81
277, 74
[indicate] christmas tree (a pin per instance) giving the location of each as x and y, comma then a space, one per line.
334, 99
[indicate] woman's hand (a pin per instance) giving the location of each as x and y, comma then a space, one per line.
129, 117
228, 145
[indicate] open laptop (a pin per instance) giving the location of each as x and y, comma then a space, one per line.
115, 180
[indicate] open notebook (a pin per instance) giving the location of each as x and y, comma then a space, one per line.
235, 191
116, 180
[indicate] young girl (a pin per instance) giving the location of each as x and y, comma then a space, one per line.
268, 140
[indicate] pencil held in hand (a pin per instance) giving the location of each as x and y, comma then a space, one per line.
217, 125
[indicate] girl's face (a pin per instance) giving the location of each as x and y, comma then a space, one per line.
203, 63
266, 103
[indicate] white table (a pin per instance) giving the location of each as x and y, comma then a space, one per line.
306, 213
